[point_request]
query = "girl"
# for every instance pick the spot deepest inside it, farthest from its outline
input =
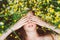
(30, 28)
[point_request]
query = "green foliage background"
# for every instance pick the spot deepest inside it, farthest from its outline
(12, 10)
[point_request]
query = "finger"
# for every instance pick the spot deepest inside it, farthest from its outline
(24, 21)
(32, 17)
(30, 14)
(23, 17)
(35, 20)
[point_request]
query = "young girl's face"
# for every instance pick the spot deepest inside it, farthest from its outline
(30, 26)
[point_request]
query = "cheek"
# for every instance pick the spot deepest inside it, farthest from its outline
(26, 27)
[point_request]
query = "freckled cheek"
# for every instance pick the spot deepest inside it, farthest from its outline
(26, 27)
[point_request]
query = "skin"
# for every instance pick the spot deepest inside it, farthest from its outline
(30, 29)
(27, 21)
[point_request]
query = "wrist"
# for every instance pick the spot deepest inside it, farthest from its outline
(4, 35)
